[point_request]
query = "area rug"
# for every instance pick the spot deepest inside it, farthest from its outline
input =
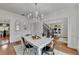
(19, 50)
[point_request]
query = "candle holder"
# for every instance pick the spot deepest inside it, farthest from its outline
(36, 37)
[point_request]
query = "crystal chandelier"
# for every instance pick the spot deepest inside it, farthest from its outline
(36, 16)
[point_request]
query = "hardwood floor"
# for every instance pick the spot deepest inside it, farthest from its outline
(63, 47)
(8, 49)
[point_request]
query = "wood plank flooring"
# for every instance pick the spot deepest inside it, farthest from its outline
(63, 47)
(8, 49)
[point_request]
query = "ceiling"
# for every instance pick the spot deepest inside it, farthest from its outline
(25, 8)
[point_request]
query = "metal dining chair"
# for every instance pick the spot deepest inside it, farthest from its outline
(48, 50)
(26, 44)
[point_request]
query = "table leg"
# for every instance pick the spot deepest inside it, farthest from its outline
(39, 51)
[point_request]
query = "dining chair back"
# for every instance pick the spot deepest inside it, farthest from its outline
(26, 44)
(49, 48)
(23, 40)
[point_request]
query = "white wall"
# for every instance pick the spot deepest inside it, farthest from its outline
(78, 26)
(70, 13)
(11, 18)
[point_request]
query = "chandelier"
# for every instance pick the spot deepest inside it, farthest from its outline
(36, 15)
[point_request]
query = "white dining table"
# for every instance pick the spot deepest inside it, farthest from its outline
(39, 43)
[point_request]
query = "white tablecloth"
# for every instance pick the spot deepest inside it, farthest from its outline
(39, 43)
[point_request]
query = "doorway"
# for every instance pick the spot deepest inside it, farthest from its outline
(4, 33)
(58, 28)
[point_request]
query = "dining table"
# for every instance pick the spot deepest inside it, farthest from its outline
(38, 43)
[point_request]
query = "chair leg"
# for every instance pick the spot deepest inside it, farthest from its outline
(28, 51)
(34, 51)
(24, 51)
(53, 53)
(42, 52)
